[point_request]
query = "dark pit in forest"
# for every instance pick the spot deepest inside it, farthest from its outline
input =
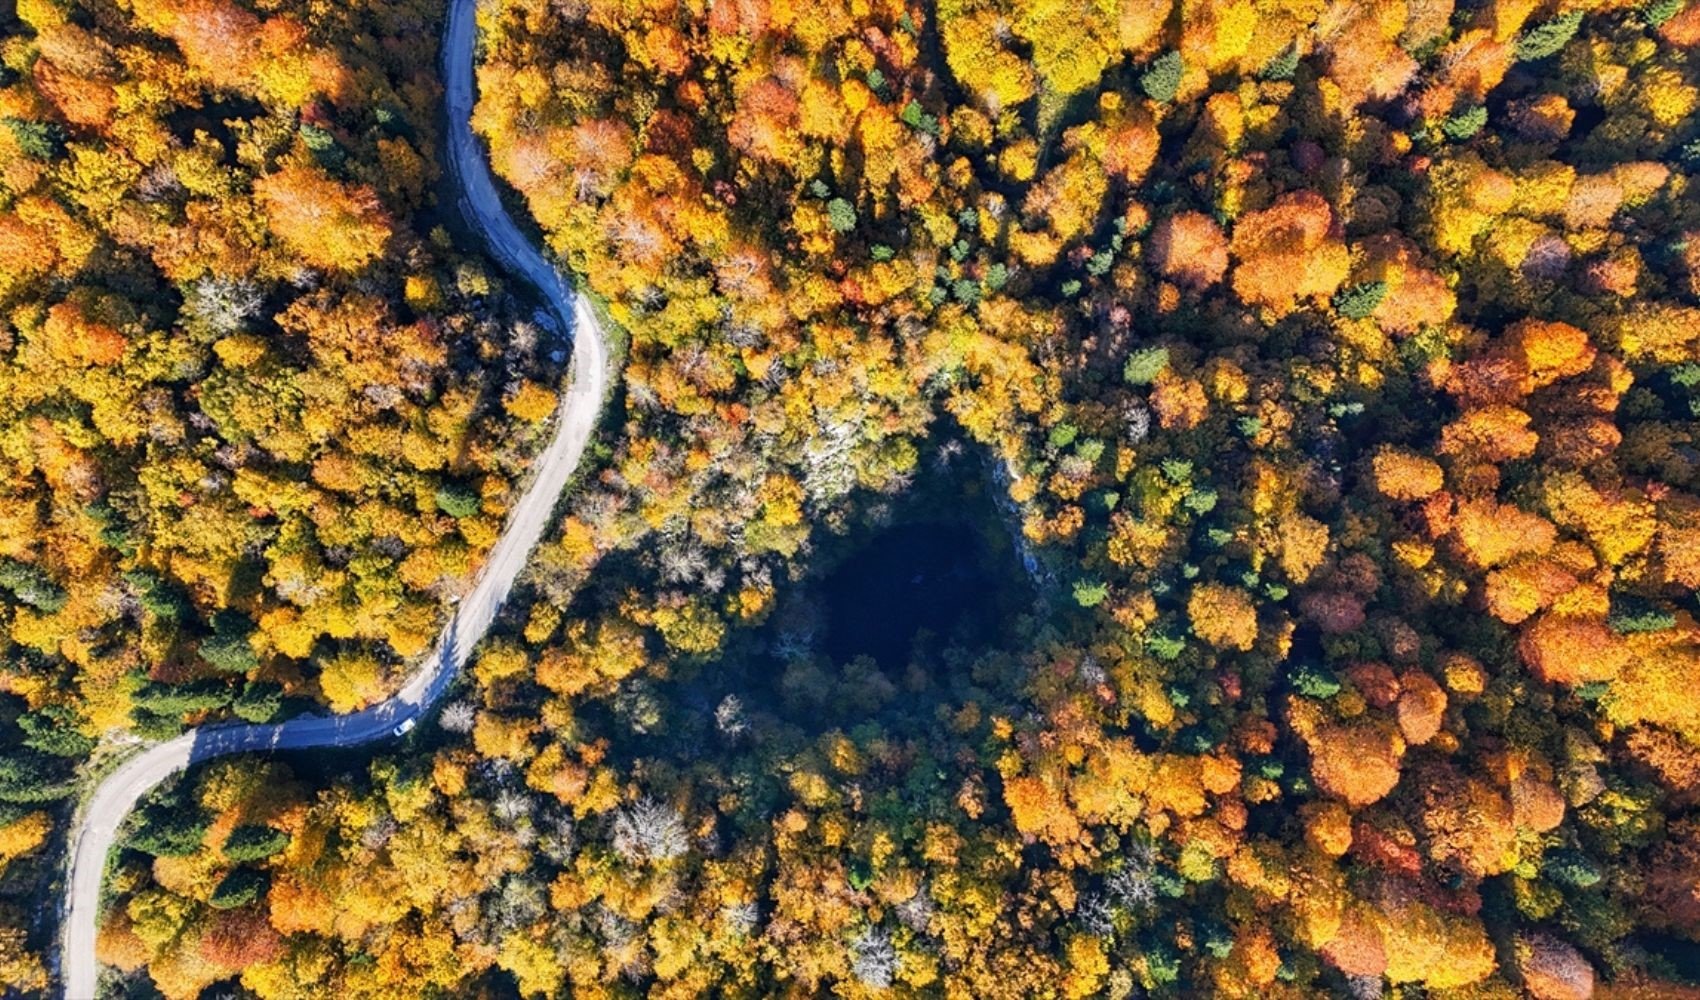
(932, 581)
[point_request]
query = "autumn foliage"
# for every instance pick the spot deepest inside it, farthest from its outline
(1326, 374)
(1288, 252)
(329, 225)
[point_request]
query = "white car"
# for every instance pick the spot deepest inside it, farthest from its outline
(405, 727)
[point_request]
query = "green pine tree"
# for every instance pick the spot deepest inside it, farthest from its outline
(1546, 38)
(1162, 78)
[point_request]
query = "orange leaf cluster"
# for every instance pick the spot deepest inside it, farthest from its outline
(1288, 252)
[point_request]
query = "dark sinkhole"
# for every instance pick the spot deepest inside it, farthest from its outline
(901, 608)
(922, 580)
(911, 602)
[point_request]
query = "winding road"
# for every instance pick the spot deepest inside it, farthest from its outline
(98, 822)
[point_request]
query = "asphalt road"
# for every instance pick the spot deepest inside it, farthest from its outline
(98, 821)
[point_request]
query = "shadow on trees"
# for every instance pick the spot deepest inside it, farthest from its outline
(915, 607)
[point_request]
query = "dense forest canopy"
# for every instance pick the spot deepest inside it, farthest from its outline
(259, 418)
(1332, 371)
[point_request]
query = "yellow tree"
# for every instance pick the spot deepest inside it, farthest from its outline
(329, 224)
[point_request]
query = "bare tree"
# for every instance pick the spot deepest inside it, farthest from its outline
(916, 912)
(1093, 915)
(513, 807)
(222, 305)
(648, 830)
(458, 717)
(557, 837)
(729, 716)
(1138, 418)
(741, 918)
(873, 958)
(1134, 886)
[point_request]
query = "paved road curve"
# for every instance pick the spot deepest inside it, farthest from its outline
(99, 821)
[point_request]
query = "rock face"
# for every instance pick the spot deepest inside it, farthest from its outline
(1552, 969)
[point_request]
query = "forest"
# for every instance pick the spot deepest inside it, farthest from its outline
(1314, 383)
(259, 417)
